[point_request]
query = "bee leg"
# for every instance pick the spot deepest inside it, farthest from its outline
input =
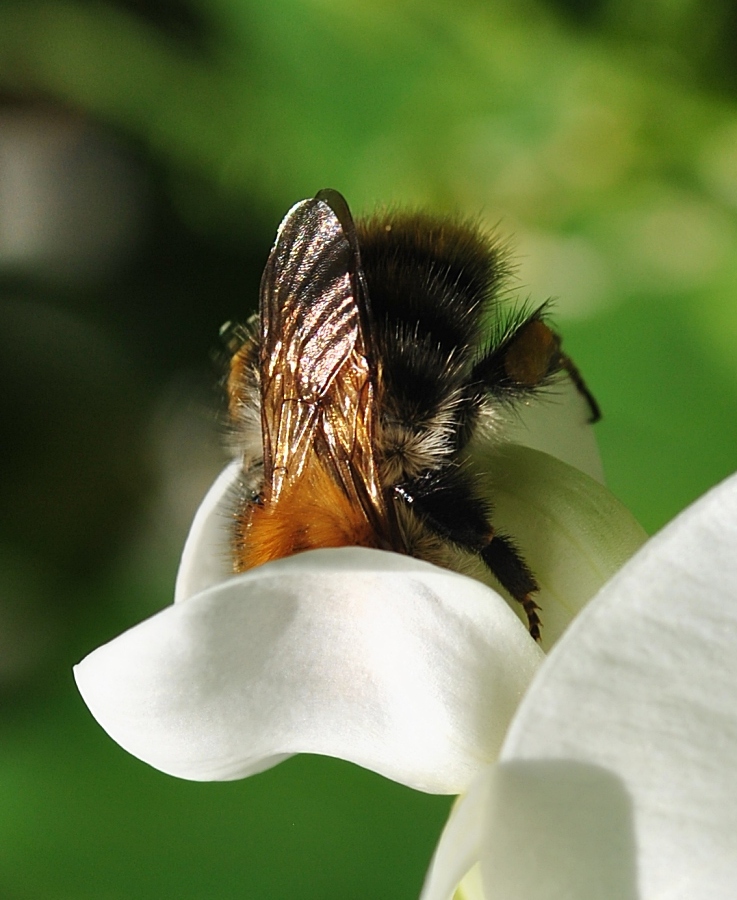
(446, 504)
(513, 573)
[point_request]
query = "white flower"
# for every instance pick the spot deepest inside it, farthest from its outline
(392, 663)
(618, 777)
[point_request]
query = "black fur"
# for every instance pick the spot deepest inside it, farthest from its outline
(433, 288)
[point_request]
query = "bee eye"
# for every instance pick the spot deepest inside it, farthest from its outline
(532, 354)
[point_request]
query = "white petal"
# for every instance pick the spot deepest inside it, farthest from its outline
(380, 659)
(573, 532)
(462, 840)
(206, 554)
(557, 829)
(549, 829)
(643, 685)
(557, 422)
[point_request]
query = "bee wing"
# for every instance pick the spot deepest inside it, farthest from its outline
(317, 391)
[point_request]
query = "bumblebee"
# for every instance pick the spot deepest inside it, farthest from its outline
(355, 393)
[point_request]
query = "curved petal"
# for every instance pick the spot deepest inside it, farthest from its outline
(574, 533)
(557, 828)
(642, 686)
(206, 555)
(401, 667)
(542, 830)
(462, 841)
(557, 422)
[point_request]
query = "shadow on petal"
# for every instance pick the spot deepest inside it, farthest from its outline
(558, 828)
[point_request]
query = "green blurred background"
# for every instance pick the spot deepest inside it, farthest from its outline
(148, 150)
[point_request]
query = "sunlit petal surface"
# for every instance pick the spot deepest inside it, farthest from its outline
(404, 668)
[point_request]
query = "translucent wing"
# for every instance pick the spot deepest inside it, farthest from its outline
(317, 383)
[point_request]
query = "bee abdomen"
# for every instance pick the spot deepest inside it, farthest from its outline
(312, 512)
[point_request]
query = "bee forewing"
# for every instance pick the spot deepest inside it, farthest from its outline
(316, 377)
